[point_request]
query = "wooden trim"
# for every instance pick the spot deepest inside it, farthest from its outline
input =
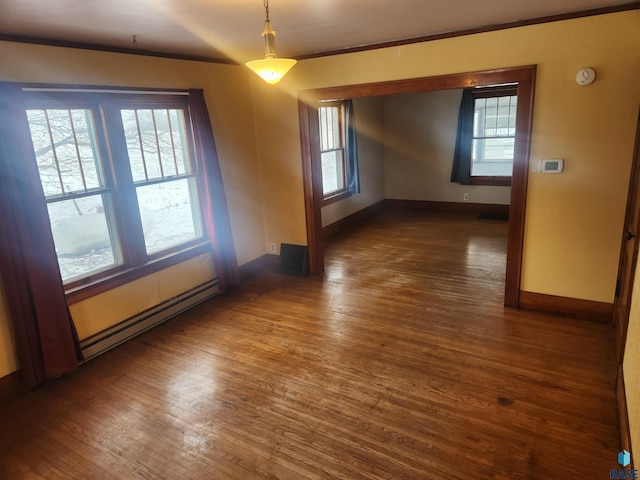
(490, 181)
(485, 93)
(104, 284)
(622, 306)
(524, 76)
(568, 307)
(423, 84)
(52, 42)
(448, 206)
(336, 197)
(273, 261)
(312, 182)
(623, 414)
(473, 31)
(519, 182)
(492, 92)
(11, 386)
(249, 269)
(135, 262)
(265, 262)
(346, 223)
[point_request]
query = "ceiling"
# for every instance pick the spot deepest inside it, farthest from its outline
(230, 29)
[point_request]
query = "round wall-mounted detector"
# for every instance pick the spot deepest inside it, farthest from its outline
(586, 76)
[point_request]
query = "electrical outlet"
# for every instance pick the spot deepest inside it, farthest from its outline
(466, 197)
(272, 247)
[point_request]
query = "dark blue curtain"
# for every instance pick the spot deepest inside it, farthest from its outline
(461, 171)
(46, 341)
(351, 149)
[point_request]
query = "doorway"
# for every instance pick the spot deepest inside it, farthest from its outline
(524, 77)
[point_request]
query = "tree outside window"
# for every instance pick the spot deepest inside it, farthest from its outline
(119, 178)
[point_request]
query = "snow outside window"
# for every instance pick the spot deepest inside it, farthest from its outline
(119, 178)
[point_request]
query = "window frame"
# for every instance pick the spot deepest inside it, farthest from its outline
(490, 92)
(343, 192)
(118, 181)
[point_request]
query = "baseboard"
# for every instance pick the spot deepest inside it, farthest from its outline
(623, 414)
(568, 307)
(11, 386)
(273, 261)
(468, 207)
(265, 262)
(123, 331)
(349, 221)
(254, 266)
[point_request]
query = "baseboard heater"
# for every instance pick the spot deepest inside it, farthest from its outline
(123, 331)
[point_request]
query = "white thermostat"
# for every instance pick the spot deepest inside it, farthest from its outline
(552, 165)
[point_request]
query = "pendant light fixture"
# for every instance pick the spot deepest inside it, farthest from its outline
(271, 68)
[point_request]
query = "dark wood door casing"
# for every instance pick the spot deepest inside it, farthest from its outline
(628, 253)
(523, 76)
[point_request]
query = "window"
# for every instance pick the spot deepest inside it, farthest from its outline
(163, 176)
(494, 133)
(486, 136)
(332, 149)
(119, 177)
(338, 150)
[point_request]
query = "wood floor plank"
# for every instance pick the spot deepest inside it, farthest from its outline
(399, 363)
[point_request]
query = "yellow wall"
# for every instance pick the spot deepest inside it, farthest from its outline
(98, 313)
(231, 113)
(278, 141)
(229, 105)
(574, 220)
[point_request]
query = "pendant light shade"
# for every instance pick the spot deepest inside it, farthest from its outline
(270, 68)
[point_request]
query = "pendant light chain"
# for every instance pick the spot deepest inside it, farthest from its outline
(266, 8)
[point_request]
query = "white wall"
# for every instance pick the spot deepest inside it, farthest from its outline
(369, 125)
(419, 140)
(406, 144)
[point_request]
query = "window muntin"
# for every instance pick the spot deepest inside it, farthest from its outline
(156, 143)
(78, 201)
(494, 130)
(332, 148)
(119, 177)
(66, 152)
(163, 176)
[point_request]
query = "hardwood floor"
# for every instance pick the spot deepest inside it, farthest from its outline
(399, 363)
